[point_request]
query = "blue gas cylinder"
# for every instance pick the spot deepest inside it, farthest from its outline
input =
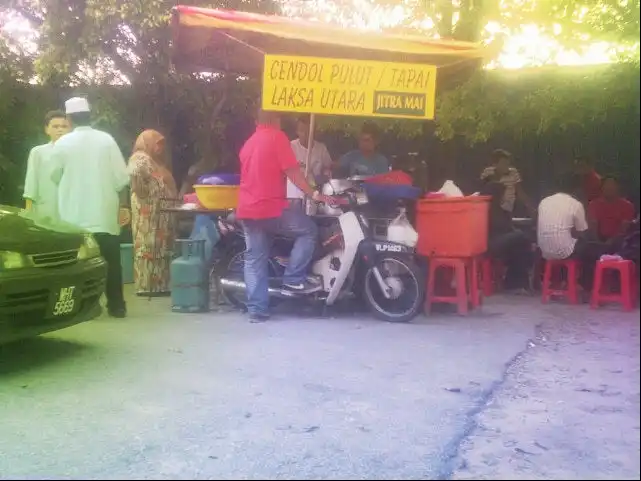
(190, 277)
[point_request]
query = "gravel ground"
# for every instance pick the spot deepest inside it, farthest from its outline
(209, 396)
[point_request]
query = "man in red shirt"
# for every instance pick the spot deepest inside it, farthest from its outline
(266, 161)
(591, 179)
(610, 214)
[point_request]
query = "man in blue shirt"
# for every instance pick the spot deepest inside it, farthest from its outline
(365, 160)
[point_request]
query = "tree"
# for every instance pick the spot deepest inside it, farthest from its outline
(573, 21)
(97, 42)
(134, 37)
(488, 103)
(485, 104)
(457, 19)
(119, 40)
(614, 21)
(536, 101)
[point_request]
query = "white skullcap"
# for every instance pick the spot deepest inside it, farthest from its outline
(76, 105)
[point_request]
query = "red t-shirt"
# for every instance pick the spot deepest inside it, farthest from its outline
(264, 158)
(611, 215)
(592, 185)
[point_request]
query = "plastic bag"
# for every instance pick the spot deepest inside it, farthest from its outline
(190, 199)
(219, 179)
(450, 189)
(400, 230)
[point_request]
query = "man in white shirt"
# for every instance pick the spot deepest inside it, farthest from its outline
(40, 193)
(320, 161)
(563, 229)
(90, 172)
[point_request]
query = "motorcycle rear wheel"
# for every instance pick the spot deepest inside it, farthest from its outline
(408, 285)
(231, 266)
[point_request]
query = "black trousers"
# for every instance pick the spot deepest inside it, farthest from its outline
(110, 250)
(588, 253)
(515, 250)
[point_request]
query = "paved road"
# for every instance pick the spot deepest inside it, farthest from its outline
(163, 395)
(569, 408)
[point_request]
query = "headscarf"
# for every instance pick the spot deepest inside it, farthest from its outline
(147, 141)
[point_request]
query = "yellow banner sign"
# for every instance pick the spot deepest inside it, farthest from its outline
(348, 87)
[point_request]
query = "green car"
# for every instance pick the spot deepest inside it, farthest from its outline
(51, 275)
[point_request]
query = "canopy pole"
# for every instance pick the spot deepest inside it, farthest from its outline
(310, 207)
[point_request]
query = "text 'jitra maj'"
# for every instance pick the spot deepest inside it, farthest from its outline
(341, 86)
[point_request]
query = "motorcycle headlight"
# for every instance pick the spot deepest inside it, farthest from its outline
(361, 198)
(12, 260)
(89, 248)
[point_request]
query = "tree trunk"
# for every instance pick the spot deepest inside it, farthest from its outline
(473, 16)
(212, 144)
(445, 25)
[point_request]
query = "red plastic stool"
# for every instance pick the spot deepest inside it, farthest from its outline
(553, 267)
(627, 293)
(466, 273)
(492, 272)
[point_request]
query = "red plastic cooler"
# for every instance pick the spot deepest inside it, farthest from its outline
(452, 227)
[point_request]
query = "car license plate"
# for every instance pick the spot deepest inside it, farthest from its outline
(64, 302)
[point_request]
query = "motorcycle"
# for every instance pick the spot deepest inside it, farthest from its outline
(348, 262)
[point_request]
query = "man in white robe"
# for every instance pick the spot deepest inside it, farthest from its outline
(91, 174)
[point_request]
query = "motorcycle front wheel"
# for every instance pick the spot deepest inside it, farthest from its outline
(406, 283)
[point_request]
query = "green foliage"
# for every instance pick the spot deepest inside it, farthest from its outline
(571, 21)
(83, 42)
(524, 102)
(106, 35)
(615, 21)
(519, 103)
(15, 66)
(21, 128)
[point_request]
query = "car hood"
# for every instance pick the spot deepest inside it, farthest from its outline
(21, 231)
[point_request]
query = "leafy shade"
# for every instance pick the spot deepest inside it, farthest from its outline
(133, 38)
(613, 21)
(523, 102)
(94, 41)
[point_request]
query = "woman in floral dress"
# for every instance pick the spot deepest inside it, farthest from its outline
(153, 231)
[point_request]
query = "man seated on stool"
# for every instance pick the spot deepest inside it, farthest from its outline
(563, 229)
(610, 214)
(506, 243)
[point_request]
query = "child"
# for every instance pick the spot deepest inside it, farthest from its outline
(40, 193)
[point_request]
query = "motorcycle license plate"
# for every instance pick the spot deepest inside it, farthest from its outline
(65, 302)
